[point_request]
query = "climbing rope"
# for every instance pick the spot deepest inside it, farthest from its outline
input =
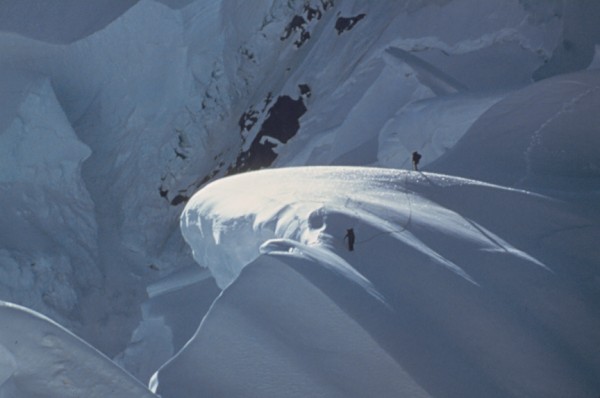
(402, 228)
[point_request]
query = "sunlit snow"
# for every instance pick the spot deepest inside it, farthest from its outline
(424, 243)
(133, 213)
(39, 358)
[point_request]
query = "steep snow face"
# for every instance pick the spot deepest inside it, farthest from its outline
(39, 358)
(453, 286)
(226, 232)
(549, 142)
(59, 22)
(341, 359)
(38, 143)
(433, 126)
(48, 239)
(579, 37)
(124, 102)
(369, 82)
(162, 96)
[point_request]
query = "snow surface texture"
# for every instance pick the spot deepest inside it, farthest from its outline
(455, 288)
(114, 113)
(39, 358)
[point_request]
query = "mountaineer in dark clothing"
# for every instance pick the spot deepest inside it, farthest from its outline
(350, 237)
(416, 156)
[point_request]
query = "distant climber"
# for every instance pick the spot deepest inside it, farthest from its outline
(350, 237)
(416, 156)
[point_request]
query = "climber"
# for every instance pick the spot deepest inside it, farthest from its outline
(350, 237)
(416, 156)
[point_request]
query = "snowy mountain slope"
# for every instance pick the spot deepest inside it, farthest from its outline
(294, 335)
(478, 300)
(171, 315)
(431, 126)
(552, 134)
(39, 358)
(98, 84)
(59, 22)
(48, 235)
(111, 120)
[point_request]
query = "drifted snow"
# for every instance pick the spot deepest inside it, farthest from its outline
(550, 141)
(48, 230)
(228, 221)
(39, 358)
(113, 114)
(302, 340)
(45, 21)
(450, 278)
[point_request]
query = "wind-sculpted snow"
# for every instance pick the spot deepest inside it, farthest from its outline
(114, 113)
(76, 129)
(441, 121)
(39, 358)
(556, 146)
(228, 221)
(47, 236)
(275, 333)
(60, 22)
(461, 283)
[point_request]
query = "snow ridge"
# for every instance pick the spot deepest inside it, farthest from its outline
(112, 120)
(429, 264)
